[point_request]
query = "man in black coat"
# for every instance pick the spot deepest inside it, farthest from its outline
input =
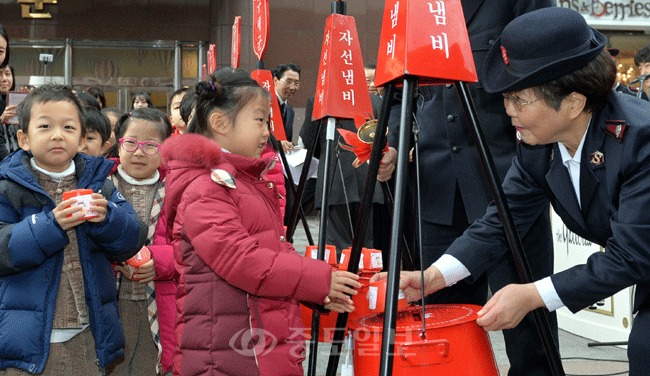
(613, 52)
(286, 78)
(347, 181)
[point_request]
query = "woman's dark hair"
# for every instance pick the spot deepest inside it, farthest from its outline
(88, 100)
(595, 81)
(152, 115)
(144, 95)
(49, 93)
(98, 94)
(228, 91)
(187, 105)
(3, 33)
(182, 90)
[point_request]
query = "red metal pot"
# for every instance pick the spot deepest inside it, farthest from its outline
(454, 344)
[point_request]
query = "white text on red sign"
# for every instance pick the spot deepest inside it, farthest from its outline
(393, 15)
(349, 96)
(439, 12)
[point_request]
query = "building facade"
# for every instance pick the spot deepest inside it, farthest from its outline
(126, 46)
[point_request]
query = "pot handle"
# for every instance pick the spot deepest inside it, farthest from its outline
(425, 352)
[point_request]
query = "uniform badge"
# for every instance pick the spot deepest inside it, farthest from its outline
(597, 158)
(615, 128)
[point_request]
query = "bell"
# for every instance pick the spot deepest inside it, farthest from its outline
(366, 132)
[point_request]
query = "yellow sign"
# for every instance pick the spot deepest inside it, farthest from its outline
(27, 6)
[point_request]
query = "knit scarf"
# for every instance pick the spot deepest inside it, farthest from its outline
(152, 307)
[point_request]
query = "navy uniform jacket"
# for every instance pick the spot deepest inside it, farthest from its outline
(347, 182)
(615, 198)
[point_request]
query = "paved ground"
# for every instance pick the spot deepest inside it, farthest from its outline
(577, 357)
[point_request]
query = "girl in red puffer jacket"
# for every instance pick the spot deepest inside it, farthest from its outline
(239, 280)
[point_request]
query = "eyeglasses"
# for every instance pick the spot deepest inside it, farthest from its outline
(291, 82)
(131, 145)
(517, 102)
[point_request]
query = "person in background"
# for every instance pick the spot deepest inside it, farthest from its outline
(459, 193)
(5, 52)
(141, 99)
(149, 331)
(286, 78)
(8, 132)
(642, 62)
(88, 100)
(584, 149)
(186, 110)
(381, 212)
(613, 52)
(370, 69)
(97, 93)
(98, 131)
(347, 181)
(238, 276)
(58, 307)
(178, 125)
(113, 114)
(6, 84)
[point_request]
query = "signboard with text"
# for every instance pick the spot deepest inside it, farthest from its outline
(427, 39)
(265, 79)
(341, 89)
(260, 27)
(612, 14)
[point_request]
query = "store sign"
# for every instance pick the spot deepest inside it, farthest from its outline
(632, 13)
(35, 8)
